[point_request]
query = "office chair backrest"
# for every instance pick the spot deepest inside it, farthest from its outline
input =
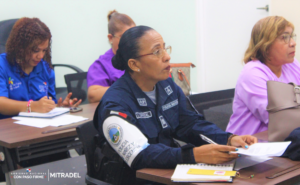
(76, 83)
(216, 106)
(86, 133)
(5, 28)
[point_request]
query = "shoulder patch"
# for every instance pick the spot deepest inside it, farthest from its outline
(168, 90)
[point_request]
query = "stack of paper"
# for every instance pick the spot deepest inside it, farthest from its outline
(55, 112)
(64, 119)
(265, 149)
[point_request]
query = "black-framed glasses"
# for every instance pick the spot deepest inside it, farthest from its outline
(159, 52)
(287, 37)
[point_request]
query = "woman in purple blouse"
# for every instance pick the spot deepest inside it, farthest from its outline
(101, 74)
(270, 56)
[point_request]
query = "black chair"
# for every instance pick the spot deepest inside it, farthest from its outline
(63, 91)
(216, 106)
(5, 28)
(76, 83)
(86, 133)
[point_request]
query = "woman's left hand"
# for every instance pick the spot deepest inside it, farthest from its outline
(68, 102)
(243, 141)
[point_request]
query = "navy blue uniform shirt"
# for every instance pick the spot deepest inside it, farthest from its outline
(160, 123)
(39, 83)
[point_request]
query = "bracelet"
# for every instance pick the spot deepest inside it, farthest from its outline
(29, 105)
(229, 139)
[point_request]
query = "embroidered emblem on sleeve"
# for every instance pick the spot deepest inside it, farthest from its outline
(163, 122)
(126, 139)
(142, 101)
(168, 90)
(141, 115)
(170, 105)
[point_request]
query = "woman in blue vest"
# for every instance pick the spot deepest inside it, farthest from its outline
(143, 111)
(27, 80)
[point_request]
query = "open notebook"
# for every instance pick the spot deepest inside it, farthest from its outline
(181, 175)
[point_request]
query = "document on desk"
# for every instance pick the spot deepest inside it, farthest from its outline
(61, 120)
(245, 161)
(265, 149)
(55, 112)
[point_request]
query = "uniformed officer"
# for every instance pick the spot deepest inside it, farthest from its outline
(27, 80)
(144, 110)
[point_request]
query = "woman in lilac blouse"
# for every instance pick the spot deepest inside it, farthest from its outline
(101, 74)
(270, 56)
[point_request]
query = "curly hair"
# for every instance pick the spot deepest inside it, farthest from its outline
(24, 38)
(263, 35)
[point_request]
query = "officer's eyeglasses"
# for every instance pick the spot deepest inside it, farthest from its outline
(287, 37)
(159, 52)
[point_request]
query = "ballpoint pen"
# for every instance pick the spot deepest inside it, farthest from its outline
(207, 139)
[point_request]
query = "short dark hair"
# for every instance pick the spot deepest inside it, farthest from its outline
(25, 36)
(129, 47)
(116, 20)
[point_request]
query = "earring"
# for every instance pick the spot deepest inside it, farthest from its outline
(138, 70)
(110, 42)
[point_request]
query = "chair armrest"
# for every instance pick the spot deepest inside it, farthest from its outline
(77, 69)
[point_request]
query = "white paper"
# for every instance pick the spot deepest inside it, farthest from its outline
(61, 120)
(246, 161)
(265, 149)
(55, 112)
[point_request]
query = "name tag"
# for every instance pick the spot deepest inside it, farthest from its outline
(141, 115)
(170, 105)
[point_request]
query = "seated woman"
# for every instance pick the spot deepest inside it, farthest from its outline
(101, 74)
(270, 56)
(26, 75)
(145, 109)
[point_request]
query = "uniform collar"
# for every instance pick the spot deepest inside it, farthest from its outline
(141, 97)
(36, 70)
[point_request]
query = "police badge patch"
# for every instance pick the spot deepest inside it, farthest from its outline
(115, 134)
(142, 101)
(168, 90)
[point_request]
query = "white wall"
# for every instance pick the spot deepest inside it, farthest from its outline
(79, 27)
(224, 29)
(289, 9)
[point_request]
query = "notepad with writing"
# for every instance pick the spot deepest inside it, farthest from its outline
(53, 113)
(182, 172)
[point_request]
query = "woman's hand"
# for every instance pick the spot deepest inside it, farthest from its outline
(243, 141)
(68, 102)
(43, 105)
(214, 154)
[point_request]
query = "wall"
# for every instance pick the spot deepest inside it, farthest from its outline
(79, 27)
(223, 35)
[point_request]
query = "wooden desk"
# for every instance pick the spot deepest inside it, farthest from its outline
(20, 142)
(260, 172)
(14, 135)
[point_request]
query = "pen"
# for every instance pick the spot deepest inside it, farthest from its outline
(207, 139)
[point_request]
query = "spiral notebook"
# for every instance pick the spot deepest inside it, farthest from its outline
(181, 172)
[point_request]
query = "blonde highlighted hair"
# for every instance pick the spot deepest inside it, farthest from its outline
(264, 33)
(117, 20)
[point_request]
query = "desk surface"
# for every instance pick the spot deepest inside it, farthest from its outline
(260, 172)
(14, 135)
